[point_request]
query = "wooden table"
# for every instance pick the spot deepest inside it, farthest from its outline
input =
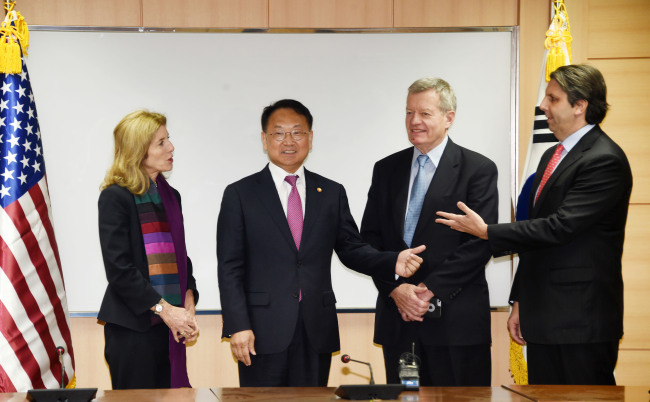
(580, 392)
(426, 394)
(138, 395)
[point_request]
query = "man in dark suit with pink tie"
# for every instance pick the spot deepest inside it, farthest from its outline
(567, 293)
(276, 233)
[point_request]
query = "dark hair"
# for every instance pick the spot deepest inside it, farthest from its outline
(286, 104)
(582, 81)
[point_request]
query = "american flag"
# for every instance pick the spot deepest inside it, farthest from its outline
(33, 306)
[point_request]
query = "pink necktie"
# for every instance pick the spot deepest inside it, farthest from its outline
(550, 168)
(294, 211)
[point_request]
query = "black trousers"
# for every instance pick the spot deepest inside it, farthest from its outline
(441, 366)
(579, 364)
(298, 366)
(137, 360)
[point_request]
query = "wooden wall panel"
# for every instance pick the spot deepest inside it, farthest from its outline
(632, 368)
(105, 13)
(636, 279)
(578, 11)
(531, 55)
(500, 349)
(210, 363)
(455, 13)
(205, 13)
(356, 340)
(330, 14)
(628, 86)
(91, 369)
(619, 28)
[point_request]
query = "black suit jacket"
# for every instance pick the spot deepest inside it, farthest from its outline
(569, 283)
(261, 272)
(129, 294)
(454, 262)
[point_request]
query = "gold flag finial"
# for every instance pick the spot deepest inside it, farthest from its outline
(14, 40)
(558, 39)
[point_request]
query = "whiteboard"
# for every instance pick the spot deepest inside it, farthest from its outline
(213, 86)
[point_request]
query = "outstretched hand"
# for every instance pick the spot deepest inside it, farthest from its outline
(471, 222)
(408, 262)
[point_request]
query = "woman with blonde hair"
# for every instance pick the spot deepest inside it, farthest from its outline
(149, 304)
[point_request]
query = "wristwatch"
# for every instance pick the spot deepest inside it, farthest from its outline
(157, 309)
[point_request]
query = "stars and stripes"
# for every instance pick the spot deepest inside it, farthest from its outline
(33, 306)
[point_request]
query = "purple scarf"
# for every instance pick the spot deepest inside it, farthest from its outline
(177, 357)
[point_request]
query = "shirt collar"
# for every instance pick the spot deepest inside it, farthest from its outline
(279, 174)
(570, 141)
(434, 155)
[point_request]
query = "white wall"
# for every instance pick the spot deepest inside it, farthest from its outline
(213, 87)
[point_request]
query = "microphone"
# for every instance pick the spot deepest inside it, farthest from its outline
(62, 394)
(347, 359)
(60, 350)
(409, 369)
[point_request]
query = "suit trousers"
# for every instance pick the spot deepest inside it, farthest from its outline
(440, 365)
(572, 364)
(137, 360)
(297, 366)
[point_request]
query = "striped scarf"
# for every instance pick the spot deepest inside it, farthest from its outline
(159, 246)
(165, 210)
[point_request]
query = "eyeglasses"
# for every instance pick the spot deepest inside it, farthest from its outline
(295, 134)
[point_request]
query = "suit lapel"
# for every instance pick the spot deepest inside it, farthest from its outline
(444, 178)
(573, 156)
(270, 199)
(314, 200)
(399, 186)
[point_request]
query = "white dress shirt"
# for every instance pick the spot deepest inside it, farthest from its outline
(284, 188)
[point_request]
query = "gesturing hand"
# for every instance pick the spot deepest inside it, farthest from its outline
(408, 262)
(471, 223)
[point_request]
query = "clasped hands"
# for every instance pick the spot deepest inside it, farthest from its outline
(181, 322)
(412, 301)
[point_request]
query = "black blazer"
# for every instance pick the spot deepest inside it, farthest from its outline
(261, 271)
(129, 294)
(569, 283)
(454, 262)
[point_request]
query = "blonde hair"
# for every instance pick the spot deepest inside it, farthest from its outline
(132, 135)
(447, 101)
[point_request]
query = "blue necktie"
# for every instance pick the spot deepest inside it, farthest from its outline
(418, 191)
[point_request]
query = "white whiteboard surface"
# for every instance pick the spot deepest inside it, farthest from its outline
(213, 86)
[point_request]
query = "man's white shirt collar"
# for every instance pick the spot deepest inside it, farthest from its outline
(434, 155)
(570, 141)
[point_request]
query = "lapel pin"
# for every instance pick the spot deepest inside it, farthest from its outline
(320, 190)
